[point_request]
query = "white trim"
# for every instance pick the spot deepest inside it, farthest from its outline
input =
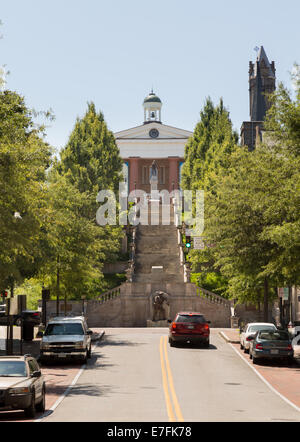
(144, 129)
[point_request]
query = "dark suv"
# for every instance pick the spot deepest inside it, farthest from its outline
(189, 327)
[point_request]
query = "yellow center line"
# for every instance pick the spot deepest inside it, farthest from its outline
(171, 385)
(168, 383)
(170, 411)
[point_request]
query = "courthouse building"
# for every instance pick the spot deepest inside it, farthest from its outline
(152, 140)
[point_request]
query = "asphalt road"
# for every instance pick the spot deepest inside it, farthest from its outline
(134, 376)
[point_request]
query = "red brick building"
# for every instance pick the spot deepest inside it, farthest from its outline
(152, 140)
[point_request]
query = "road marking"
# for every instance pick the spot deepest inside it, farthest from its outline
(66, 392)
(171, 385)
(170, 411)
(265, 381)
(168, 383)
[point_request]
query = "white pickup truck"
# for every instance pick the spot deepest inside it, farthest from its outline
(66, 338)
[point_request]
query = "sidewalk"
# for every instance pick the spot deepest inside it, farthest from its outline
(230, 335)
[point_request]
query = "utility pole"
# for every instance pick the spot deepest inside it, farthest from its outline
(57, 286)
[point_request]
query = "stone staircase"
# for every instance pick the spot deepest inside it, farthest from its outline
(157, 257)
(157, 264)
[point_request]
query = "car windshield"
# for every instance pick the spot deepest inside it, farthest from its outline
(258, 327)
(198, 319)
(64, 329)
(12, 369)
(274, 336)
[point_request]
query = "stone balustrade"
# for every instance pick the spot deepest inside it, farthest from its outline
(212, 297)
(110, 294)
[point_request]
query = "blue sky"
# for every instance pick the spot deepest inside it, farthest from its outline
(62, 54)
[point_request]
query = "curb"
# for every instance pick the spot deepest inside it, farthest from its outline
(230, 341)
(98, 336)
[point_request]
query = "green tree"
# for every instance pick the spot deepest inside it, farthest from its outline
(91, 156)
(283, 119)
(24, 158)
(207, 154)
(73, 247)
(210, 146)
(78, 247)
(249, 207)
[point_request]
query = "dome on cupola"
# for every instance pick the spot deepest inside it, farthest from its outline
(152, 108)
(152, 98)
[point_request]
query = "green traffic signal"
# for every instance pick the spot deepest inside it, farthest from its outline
(188, 242)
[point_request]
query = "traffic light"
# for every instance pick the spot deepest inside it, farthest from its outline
(4, 294)
(188, 242)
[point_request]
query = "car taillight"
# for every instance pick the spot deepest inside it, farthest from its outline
(250, 338)
(289, 347)
(36, 314)
(174, 326)
(259, 347)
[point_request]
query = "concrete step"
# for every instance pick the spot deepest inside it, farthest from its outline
(166, 268)
(160, 248)
(152, 278)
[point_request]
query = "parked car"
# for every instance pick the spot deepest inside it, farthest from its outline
(189, 327)
(269, 344)
(66, 338)
(250, 330)
(30, 317)
(27, 316)
(2, 310)
(22, 386)
(296, 346)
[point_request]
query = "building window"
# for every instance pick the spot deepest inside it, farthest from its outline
(145, 175)
(126, 175)
(162, 175)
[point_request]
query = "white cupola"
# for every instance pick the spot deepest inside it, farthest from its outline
(152, 108)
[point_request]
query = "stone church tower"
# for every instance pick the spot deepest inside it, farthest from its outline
(262, 82)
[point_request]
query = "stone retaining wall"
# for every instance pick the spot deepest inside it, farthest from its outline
(132, 306)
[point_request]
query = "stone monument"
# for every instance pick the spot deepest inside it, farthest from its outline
(160, 310)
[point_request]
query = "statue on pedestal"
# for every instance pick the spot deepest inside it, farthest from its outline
(153, 172)
(160, 306)
(153, 178)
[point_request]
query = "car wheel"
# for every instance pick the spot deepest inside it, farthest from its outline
(41, 405)
(206, 344)
(254, 360)
(18, 322)
(250, 355)
(31, 410)
(172, 343)
(241, 346)
(89, 353)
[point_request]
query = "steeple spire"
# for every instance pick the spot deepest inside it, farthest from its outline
(262, 82)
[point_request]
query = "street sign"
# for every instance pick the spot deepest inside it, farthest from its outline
(284, 292)
(12, 307)
(199, 243)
